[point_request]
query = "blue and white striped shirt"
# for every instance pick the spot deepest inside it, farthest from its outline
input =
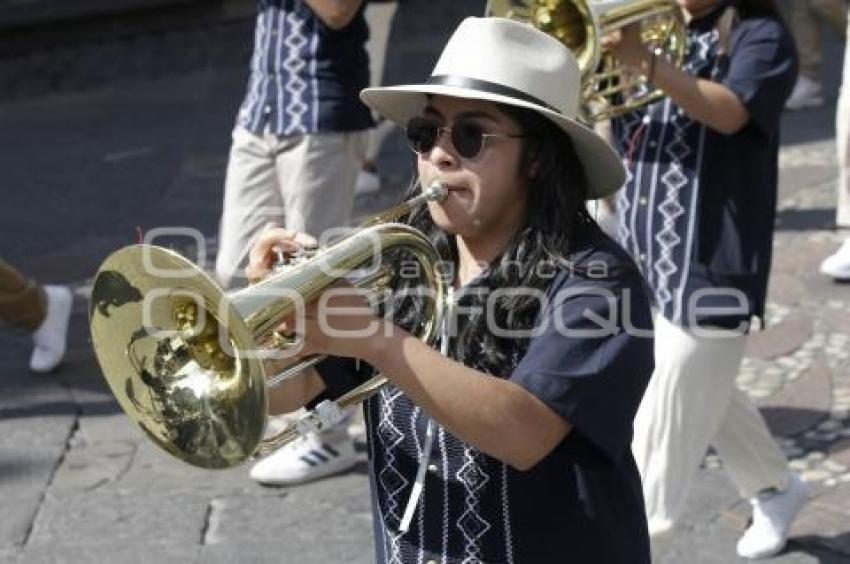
(305, 77)
(698, 206)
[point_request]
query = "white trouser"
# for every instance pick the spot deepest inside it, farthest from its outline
(842, 140)
(805, 18)
(692, 402)
(379, 16)
(305, 182)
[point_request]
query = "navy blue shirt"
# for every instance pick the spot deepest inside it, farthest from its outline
(583, 502)
(305, 77)
(698, 207)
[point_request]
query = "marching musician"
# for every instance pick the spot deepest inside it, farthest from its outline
(697, 215)
(511, 444)
(298, 144)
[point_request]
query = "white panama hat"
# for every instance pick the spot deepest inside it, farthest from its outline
(508, 62)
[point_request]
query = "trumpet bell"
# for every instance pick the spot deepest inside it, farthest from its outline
(190, 387)
(186, 361)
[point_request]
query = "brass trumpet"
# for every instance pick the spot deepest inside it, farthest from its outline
(185, 360)
(608, 89)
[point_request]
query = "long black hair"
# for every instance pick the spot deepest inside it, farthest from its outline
(556, 218)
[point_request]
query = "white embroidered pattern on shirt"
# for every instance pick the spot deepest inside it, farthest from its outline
(391, 481)
(295, 86)
(662, 251)
(676, 203)
(630, 122)
(472, 524)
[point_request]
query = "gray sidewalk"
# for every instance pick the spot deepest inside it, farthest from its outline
(88, 161)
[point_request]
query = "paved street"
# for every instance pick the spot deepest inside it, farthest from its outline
(103, 139)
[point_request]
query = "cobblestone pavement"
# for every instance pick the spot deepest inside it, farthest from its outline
(144, 143)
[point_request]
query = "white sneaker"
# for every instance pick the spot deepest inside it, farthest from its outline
(837, 264)
(806, 94)
(773, 515)
(306, 459)
(367, 182)
(50, 338)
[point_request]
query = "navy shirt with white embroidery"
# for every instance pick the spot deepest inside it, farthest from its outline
(305, 77)
(583, 502)
(698, 207)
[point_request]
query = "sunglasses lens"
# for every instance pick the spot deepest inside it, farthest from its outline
(467, 137)
(421, 134)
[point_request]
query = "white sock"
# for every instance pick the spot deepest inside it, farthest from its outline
(49, 339)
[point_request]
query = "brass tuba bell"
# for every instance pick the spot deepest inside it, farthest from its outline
(608, 88)
(186, 361)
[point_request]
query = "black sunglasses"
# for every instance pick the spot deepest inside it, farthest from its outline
(467, 136)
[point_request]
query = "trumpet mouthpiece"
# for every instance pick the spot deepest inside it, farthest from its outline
(436, 191)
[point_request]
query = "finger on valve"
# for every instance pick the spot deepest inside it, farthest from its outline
(264, 250)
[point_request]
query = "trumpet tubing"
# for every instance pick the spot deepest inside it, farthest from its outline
(608, 89)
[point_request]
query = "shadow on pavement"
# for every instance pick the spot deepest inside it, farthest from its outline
(812, 219)
(820, 547)
(14, 469)
(783, 419)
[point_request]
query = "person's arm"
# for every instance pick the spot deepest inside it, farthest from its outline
(496, 416)
(705, 101)
(336, 14)
(294, 393)
(499, 417)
